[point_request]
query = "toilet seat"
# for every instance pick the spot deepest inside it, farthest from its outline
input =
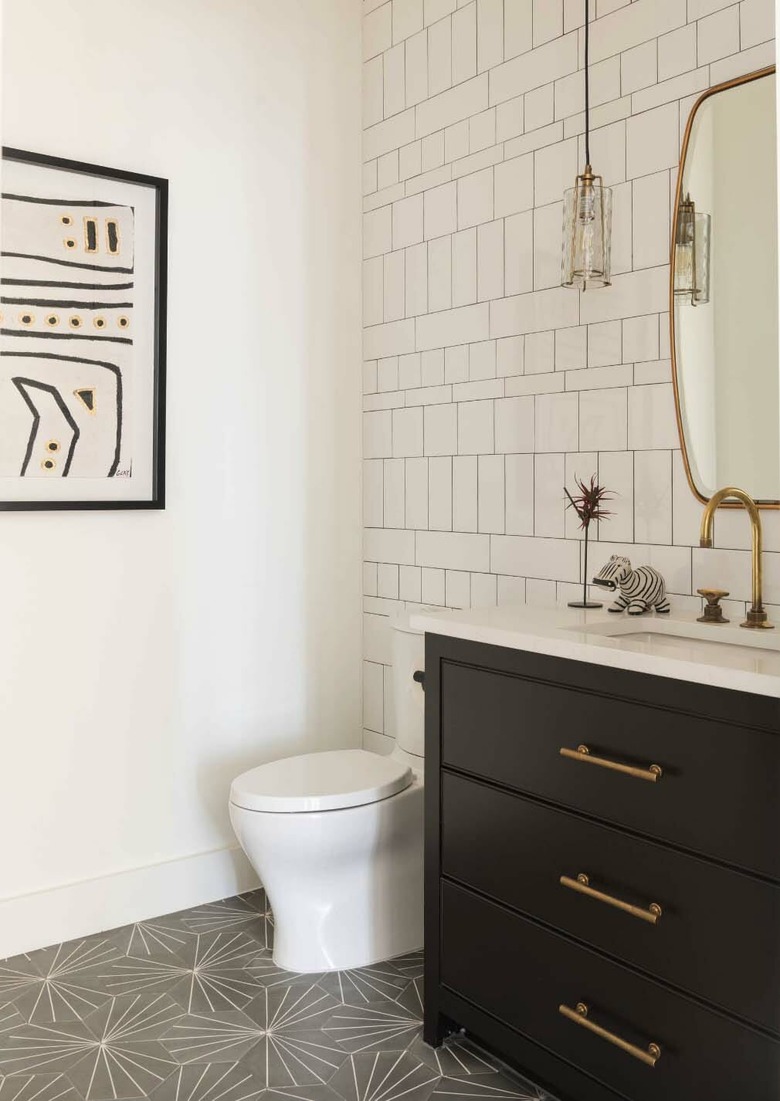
(332, 780)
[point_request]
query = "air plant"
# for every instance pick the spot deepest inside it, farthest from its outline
(589, 506)
(589, 502)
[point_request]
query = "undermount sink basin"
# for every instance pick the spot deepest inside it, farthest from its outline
(712, 644)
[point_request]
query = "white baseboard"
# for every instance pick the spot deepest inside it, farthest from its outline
(90, 906)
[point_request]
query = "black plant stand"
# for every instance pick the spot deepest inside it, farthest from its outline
(585, 603)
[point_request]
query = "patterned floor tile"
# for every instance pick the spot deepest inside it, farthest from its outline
(35, 1049)
(365, 985)
(192, 1007)
(113, 1053)
(121, 1070)
(208, 975)
(267, 973)
(493, 1087)
(38, 1087)
(457, 1057)
(10, 1018)
(371, 1028)
(249, 912)
(208, 1082)
(301, 1093)
(411, 998)
(384, 1076)
(411, 965)
(288, 1059)
(159, 940)
(295, 1008)
(17, 974)
(212, 1038)
(58, 983)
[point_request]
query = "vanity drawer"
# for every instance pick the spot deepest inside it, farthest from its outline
(718, 934)
(511, 729)
(521, 973)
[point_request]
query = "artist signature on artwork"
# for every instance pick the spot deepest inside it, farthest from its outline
(125, 472)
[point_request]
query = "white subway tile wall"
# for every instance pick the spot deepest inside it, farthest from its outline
(486, 386)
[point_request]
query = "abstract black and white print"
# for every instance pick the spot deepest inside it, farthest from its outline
(79, 334)
(190, 1007)
(66, 360)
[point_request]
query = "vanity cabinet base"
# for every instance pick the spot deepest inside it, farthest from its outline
(593, 1002)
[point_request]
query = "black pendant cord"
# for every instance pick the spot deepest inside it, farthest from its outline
(587, 82)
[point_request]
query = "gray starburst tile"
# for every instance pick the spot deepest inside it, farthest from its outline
(35, 1049)
(10, 1018)
(493, 1087)
(209, 976)
(160, 940)
(297, 1008)
(191, 1007)
(129, 975)
(458, 1057)
(62, 987)
(290, 1059)
(122, 1058)
(121, 1070)
(209, 1082)
(365, 985)
(410, 965)
(134, 1017)
(278, 1038)
(251, 913)
(267, 973)
(17, 974)
(370, 1028)
(301, 1093)
(384, 1076)
(38, 1087)
(217, 1038)
(411, 998)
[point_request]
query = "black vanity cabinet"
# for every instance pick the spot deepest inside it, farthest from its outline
(603, 875)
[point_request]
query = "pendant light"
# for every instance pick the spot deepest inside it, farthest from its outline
(692, 254)
(587, 213)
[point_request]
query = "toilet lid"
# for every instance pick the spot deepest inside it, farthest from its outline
(332, 780)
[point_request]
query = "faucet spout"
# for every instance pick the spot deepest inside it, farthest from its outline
(757, 616)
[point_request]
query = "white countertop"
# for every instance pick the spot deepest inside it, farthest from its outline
(723, 655)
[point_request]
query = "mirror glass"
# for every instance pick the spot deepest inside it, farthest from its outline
(724, 278)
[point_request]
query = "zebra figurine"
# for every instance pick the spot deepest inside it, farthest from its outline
(639, 589)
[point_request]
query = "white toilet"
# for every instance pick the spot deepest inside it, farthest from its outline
(337, 838)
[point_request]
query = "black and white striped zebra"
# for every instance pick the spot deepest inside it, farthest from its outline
(638, 590)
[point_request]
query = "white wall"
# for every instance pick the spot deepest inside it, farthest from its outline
(146, 658)
(487, 386)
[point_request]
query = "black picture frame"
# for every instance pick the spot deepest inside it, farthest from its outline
(159, 186)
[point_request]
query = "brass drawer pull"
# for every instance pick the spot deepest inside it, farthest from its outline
(580, 1017)
(653, 773)
(582, 885)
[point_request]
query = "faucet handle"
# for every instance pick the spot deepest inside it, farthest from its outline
(713, 613)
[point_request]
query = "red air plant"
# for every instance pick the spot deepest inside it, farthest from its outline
(589, 502)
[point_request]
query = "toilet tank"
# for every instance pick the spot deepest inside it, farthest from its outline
(408, 653)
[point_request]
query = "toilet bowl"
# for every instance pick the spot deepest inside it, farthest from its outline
(336, 838)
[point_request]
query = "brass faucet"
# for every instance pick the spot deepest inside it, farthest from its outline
(756, 617)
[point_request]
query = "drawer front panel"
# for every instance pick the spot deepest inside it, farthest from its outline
(517, 851)
(510, 729)
(522, 974)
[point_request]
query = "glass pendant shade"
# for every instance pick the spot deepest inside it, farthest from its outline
(692, 254)
(587, 233)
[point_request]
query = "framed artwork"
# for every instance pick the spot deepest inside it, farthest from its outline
(82, 335)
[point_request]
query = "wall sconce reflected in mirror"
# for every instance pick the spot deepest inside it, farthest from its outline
(692, 254)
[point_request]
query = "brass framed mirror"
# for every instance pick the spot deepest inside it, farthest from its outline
(723, 293)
